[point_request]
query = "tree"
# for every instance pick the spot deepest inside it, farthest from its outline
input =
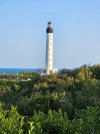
(84, 73)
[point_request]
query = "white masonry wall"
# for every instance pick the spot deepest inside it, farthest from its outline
(49, 51)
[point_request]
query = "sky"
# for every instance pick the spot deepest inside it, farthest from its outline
(76, 25)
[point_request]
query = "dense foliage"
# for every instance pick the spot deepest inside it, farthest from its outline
(68, 102)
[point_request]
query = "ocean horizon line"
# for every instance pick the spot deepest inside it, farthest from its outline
(18, 70)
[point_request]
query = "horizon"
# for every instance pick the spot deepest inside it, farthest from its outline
(23, 26)
(20, 68)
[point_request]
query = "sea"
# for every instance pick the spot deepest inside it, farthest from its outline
(17, 70)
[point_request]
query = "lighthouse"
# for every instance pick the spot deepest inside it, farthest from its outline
(49, 69)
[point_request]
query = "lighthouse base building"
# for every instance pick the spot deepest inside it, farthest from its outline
(49, 71)
(49, 52)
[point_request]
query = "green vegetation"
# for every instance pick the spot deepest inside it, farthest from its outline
(66, 103)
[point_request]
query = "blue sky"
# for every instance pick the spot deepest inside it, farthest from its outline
(76, 26)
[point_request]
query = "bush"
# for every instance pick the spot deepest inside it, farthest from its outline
(10, 121)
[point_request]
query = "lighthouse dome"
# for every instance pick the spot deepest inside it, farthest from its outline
(49, 28)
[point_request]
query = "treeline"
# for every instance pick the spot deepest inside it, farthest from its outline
(21, 76)
(68, 102)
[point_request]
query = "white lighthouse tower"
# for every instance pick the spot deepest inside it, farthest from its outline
(49, 52)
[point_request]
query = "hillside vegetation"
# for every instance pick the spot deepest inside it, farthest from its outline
(64, 103)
